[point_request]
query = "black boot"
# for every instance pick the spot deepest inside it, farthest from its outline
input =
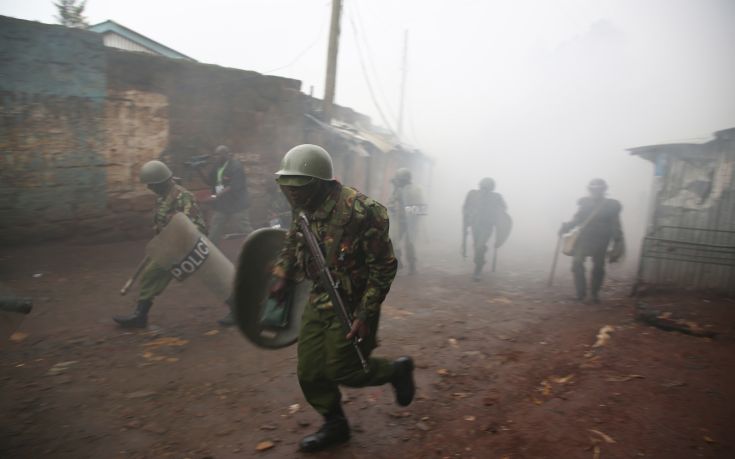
(334, 431)
(403, 382)
(138, 319)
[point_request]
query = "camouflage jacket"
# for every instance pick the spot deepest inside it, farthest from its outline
(178, 199)
(353, 232)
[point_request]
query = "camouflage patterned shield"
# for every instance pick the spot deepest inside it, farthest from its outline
(253, 312)
(502, 227)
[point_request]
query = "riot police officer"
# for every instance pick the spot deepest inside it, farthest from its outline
(352, 230)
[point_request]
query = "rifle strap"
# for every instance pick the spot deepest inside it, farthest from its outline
(592, 215)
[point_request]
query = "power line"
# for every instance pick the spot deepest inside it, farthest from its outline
(303, 52)
(367, 79)
(385, 100)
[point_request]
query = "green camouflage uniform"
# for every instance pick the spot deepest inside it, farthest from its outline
(154, 279)
(353, 232)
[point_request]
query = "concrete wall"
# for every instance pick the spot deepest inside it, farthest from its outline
(78, 119)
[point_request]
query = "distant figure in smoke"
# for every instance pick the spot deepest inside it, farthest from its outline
(230, 195)
(406, 205)
(482, 211)
(598, 223)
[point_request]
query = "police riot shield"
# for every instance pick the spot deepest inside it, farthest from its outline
(185, 252)
(263, 321)
(503, 226)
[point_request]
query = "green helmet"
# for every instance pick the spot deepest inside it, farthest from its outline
(304, 163)
(487, 184)
(403, 176)
(597, 184)
(155, 172)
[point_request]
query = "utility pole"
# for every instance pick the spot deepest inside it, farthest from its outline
(403, 83)
(331, 80)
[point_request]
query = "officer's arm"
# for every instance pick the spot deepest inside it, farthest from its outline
(189, 207)
(579, 217)
(381, 262)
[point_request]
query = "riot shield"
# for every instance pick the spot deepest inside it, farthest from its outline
(503, 226)
(186, 252)
(266, 324)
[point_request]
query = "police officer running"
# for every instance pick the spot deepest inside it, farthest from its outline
(172, 198)
(480, 213)
(352, 230)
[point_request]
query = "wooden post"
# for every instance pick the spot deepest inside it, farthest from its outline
(331, 79)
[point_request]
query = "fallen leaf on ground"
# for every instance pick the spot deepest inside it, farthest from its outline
(545, 388)
(17, 337)
(596, 453)
(211, 333)
(422, 426)
(560, 380)
(442, 372)
(60, 368)
(623, 378)
(708, 439)
(603, 336)
(469, 418)
(607, 438)
(293, 409)
(453, 343)
(166, 341)
(264, 445)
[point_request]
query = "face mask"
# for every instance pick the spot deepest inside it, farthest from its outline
(302, 197)
(159, 188)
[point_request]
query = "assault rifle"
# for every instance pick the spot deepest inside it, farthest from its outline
(328, 283)
(197, 161)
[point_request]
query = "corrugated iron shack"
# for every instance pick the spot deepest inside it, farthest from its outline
(690, 236)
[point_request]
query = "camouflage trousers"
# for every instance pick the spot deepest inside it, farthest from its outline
(153, 281)
(328, 360)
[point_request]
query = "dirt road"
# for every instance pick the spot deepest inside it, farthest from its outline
(507, 368)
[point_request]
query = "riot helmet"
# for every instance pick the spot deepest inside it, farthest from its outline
(402, 176)
(154, 172)
(487, 184)
(303, 163)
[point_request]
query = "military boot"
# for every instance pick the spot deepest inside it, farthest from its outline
(335, 430)
(402, 381)
(139, 317)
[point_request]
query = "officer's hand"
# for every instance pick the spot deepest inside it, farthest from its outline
(278, 289)
(359, 329)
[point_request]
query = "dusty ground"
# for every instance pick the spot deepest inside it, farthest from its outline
(506, 369)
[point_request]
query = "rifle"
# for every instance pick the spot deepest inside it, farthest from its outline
(197, 161)
(329, 284)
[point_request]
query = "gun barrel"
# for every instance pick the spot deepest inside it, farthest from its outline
(329, 285)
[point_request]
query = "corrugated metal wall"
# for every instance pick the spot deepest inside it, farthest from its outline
(691, 241)
(114, 40)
